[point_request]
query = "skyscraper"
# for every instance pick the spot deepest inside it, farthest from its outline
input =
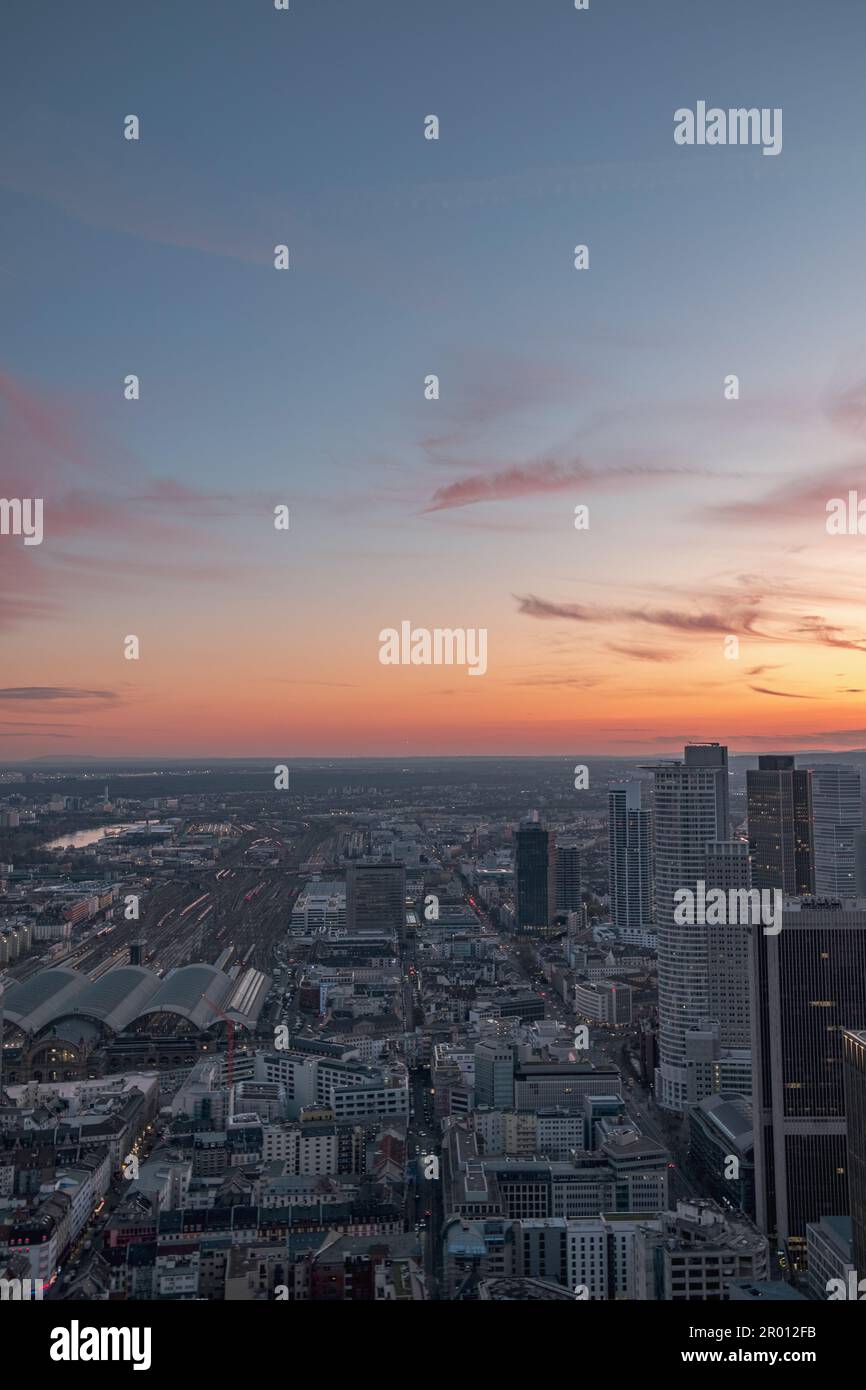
(838, 818)
(376, 898)
(728, 954)
(690, 810)
(535, 869)
(809, 985)
(779, 799)
(629, 856)
(494, 1074)
(854, 1056)
(713, 757)
(568, 876)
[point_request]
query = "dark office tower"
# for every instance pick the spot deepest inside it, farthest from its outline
(629, 857)
(808, 985)
(860, 863)
(713, 757)
(376, 898)
(568, 876)
(854, 1055)
(690, 811)
(535, 869)
(779, 798)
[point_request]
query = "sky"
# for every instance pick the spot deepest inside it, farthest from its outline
(558, 388)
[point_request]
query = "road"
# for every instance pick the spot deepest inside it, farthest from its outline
(424, 1196)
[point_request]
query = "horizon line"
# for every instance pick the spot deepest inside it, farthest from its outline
(108, 759)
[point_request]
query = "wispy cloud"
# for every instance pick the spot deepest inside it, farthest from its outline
(54, 692)
(519, 481)
(20, 733)
(829, 634)
(551, 475)
(53, 450)
(783, 694)
(692, 622)
(736, 612)
(643, 653)
(733, 621)
(39, 724)
(796, 499)
(578, 682)
(543, 608)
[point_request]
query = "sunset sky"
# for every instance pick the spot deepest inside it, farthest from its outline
(602, 387)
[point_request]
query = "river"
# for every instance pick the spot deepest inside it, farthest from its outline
(80, 838)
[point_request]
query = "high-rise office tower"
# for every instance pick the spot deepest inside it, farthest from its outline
(713, 757)
(854, 1057)
(535, 872)
(629, 856)
(690, 810)
(494, 1074)
(728, 949)
(808, 986)
(568, 876)
(860, 863)
(779, 799)
(376, 898)
(838, 817)
(717, 1051)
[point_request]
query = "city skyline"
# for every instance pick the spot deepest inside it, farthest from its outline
(433, 691)
(438, 1046)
